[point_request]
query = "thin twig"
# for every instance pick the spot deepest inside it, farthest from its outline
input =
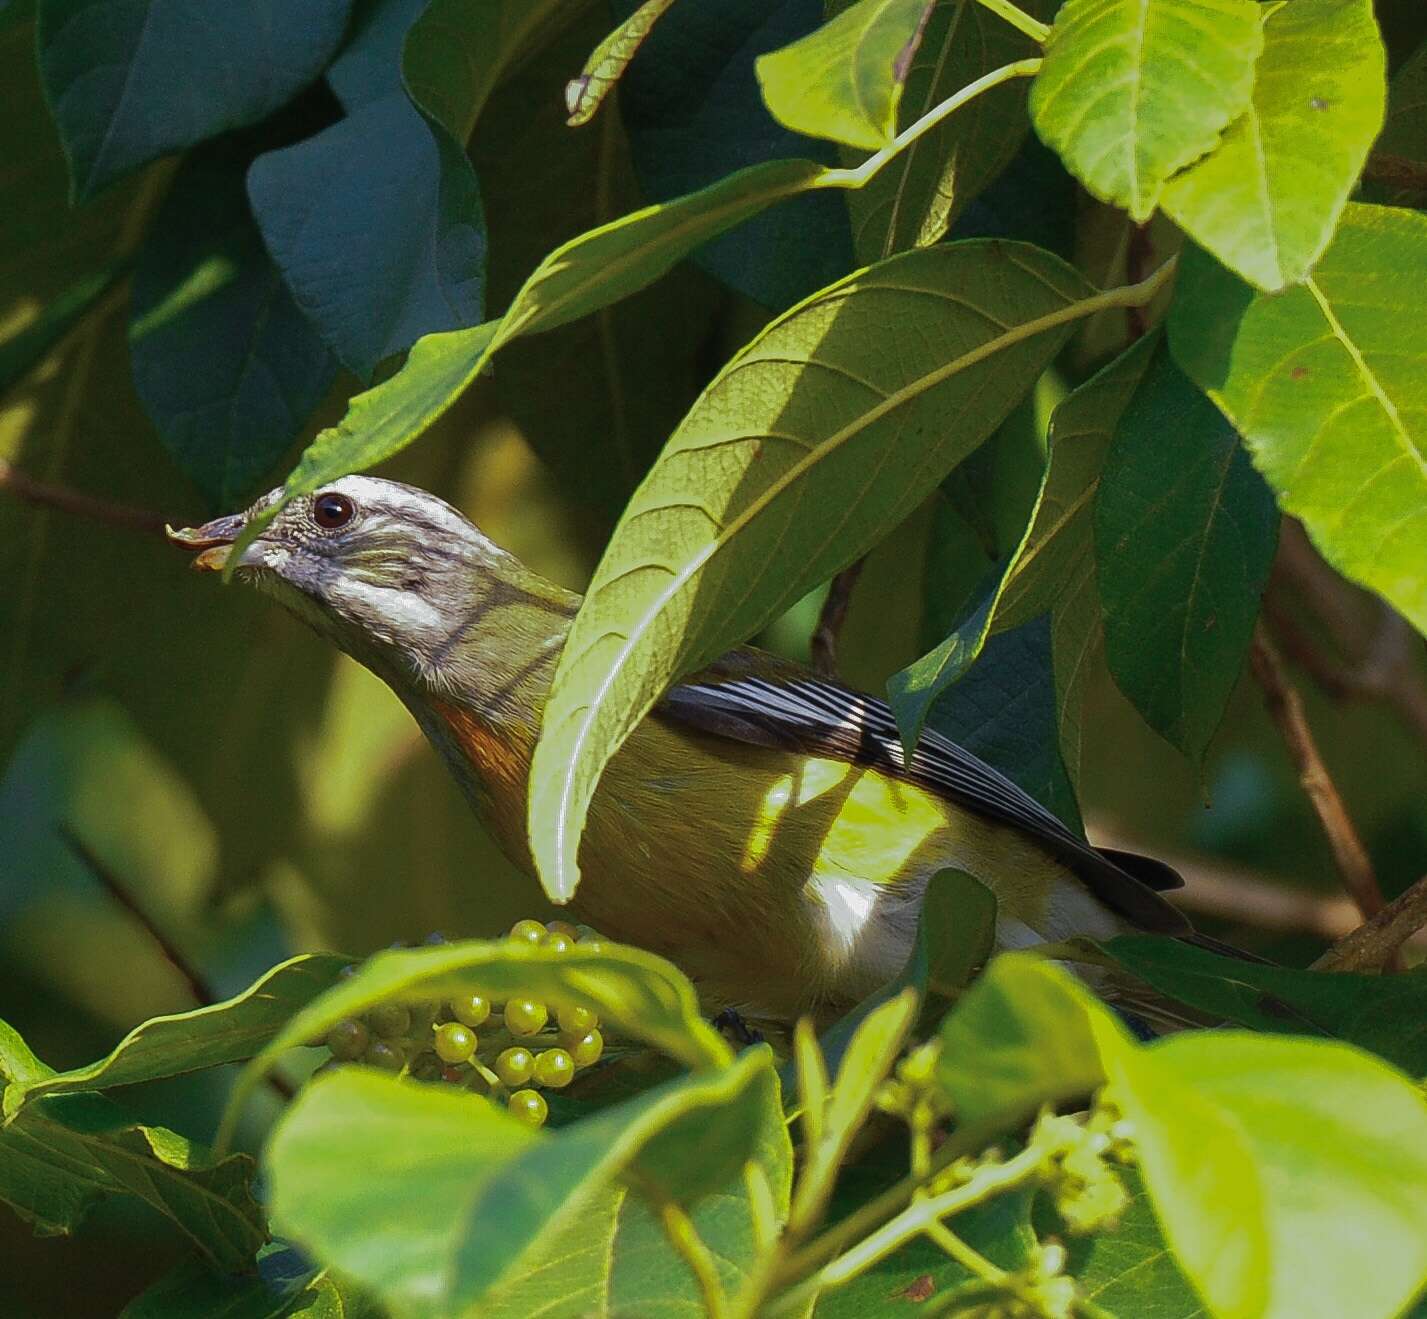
(1286, 707)
(1138, 256)
(832, 617)
(76, 502)
(1375, 945)
(198, 987)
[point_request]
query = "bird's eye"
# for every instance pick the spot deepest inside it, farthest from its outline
(333, 510)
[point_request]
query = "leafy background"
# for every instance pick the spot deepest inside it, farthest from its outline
(181, 313)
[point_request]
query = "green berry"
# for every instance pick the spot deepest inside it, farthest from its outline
(348, 1039)
(563, 927)
(525, 1016)
(527, 931)
(585, 1049)
(559, 943)
(470, 1009)
(576, 1021)
(455, 1043)
(390, 1020)
(529, 1106)
(555, 1068)
(381, 1054)
(515, 1066)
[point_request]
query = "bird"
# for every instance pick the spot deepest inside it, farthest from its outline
(762, 828)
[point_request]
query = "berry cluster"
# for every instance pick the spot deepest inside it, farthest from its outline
(508, 1051)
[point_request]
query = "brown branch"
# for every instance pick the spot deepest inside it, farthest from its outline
(76, 502)
(198, 987)
(831, 619)
(1375, 945)
(1286, 707)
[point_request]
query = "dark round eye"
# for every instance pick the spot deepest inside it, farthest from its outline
(333, 510)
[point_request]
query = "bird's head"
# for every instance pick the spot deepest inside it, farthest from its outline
(392, 574)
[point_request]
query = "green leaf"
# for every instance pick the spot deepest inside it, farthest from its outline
(1055, 550)
(1133, 90)
(1271, 1162)
(1185, 532)
(456, 1189)
(1385, 1014)
(1025, 1034)
(1129, 1270)
(1325, 383)
(691, 105)
(61, 1155)
(913, 201)
(225, 363)
(1266, 200)
(585, 94)
(845, 80)
(376, 221)
(286, 1285)
(638, 994)
(132, 82)
(1405, 131)
(227, 1032)
(456, 53)
(713, 546)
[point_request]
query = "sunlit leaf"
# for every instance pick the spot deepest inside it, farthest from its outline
(227, 1032)
(638, 994)
(1185, 532)
(461, 1189)
(586, 93)
(1265, 201)
(1325, 382)
(845, 80)
(716, 542)
(131, 82)
(1133, 90)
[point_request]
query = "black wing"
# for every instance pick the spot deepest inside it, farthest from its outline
(798, 711)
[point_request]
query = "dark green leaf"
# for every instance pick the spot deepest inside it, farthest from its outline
(128, 83)
(1325, 383)
(958, 331)
(1266, 200)
(690, 102)
(59, 1156)
(1185, 532)
(1132, 91)
(1405, 132)
(227, 1032)
(225, 363)
(844, 81)
(1386, 1014)
(460, 1189)
(376, 224)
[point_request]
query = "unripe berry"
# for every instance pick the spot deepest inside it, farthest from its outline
(390, 1020)
(555, 1068)
(470, 1009)
(515, 1066)
(584, 1050)
(529, 1106)
(525, 1016)
(563, 927)
(527, 931)
(348, 1039)
(576, 1021)
(455, 1043)
(381, 1054)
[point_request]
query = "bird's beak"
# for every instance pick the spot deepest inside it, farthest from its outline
(212, 541)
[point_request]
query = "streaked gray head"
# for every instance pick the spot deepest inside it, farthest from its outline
(386, 570)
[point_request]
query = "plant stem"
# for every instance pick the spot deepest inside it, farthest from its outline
(1018, 19)
(860, 174)
(685, 1239)
(913, 1221)
(831, 619)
